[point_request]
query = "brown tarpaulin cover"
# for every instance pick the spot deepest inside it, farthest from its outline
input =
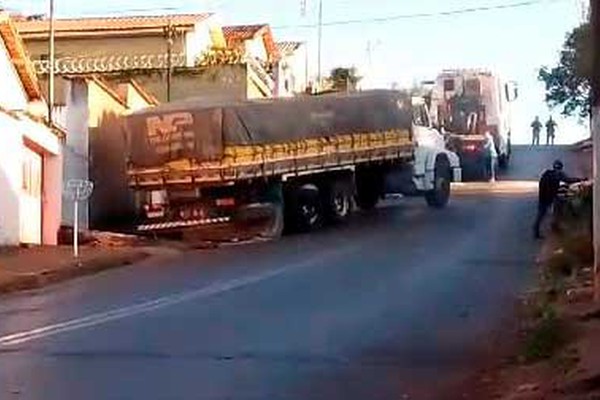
(199, 129)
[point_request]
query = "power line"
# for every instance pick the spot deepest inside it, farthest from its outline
(421, 15)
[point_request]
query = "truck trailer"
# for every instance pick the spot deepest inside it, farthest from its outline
(194, 163)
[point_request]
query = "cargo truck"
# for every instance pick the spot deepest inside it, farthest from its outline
(468, 104)
(312, 159)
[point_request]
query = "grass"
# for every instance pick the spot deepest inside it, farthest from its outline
(548, 336)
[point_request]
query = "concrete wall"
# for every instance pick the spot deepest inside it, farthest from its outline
(585, 162)
(222, 82)
(10, 181)
(76, 149)
(192, 43)
(97, 47)
(52, 196)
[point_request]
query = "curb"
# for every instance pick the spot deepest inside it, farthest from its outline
(74, 270)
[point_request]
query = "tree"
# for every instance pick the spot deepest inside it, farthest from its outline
(568, 83)
(343, 79)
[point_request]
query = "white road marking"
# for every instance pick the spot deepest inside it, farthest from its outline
(159, 303)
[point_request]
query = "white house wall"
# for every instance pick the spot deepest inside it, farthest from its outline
(256, 48)
(10, 181)
(292, 69)
(197, 41)
(18, 131)
(12, 94)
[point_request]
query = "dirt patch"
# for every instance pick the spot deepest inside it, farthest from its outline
(554, 353)
(24, 269)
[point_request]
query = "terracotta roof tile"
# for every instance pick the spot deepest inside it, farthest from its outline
(286, 48)
(33, 29)
(235, 35)
(19, 57)
(238, 33)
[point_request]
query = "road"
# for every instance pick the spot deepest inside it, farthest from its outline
(400, 302)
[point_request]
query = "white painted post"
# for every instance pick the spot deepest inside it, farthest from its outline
(76, 229)
(77, 190)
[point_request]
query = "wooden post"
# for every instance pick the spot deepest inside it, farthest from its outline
(595, 127)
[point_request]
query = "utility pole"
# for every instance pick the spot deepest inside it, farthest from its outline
(51, 57)
(170, 32)
(595, 125)
(320, 36)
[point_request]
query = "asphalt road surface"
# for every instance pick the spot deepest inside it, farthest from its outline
(396, 304)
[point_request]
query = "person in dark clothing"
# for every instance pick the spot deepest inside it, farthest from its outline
(550, 131)
(536, 128)
(548, 189)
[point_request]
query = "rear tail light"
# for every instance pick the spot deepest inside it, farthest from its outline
(154, 210)
(226, 202)
(471, 147)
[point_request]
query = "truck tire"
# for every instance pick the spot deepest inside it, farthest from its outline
(439, 196)
(303, 208)
(369, 188)
(338, 201)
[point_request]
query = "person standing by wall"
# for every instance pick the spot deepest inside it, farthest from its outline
(548, 189)
(550, 131)
(536, 128)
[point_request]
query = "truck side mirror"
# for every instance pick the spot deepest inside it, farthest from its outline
(512, 91)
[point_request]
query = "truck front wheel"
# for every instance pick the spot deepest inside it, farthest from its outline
(439, 196)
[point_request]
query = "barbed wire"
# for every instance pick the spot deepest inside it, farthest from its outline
(112, 63)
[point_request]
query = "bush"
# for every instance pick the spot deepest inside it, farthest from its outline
(548, 336)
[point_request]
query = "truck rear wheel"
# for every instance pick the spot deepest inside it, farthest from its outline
(338, 201)
(369, 188)
(303, 208)
(439, 196)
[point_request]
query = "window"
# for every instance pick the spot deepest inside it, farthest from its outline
(420, 115)
(449, 85)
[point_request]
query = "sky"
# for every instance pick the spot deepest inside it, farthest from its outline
(514, 42)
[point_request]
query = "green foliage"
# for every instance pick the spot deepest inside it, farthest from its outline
(568, 83)
(548, 336)
(342, 78)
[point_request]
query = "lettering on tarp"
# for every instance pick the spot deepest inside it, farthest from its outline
(171, 132)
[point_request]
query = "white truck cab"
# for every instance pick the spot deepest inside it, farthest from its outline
(431, 149)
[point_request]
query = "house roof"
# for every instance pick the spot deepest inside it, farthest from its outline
(288, 48)
(18, 56)
(113, 90)
(147, 96)
(235, 35)
(106, 87)
(59, 131)
(107, 26)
